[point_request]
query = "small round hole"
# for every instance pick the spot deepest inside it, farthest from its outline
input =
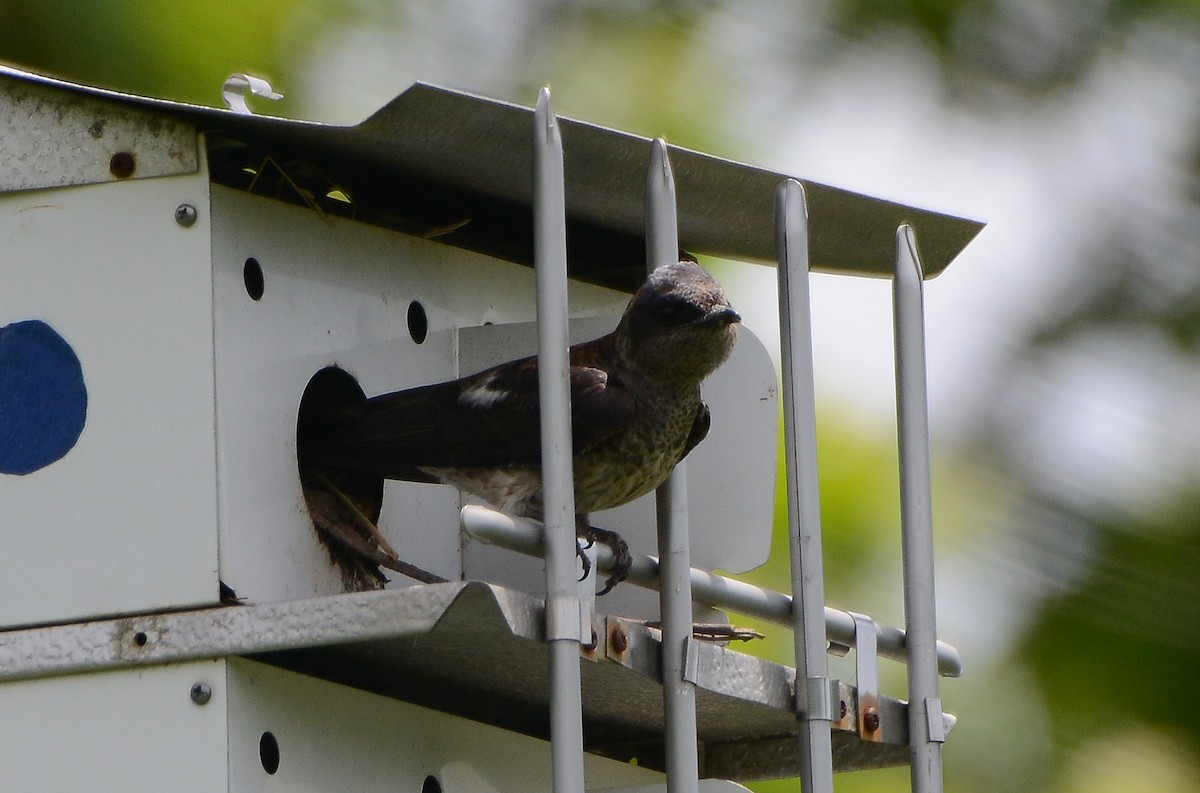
(140, 639)
(122, 165)
(431, 785)
(418, 322)
(268, 752)
(252, 276)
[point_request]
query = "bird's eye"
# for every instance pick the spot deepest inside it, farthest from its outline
(673, 312)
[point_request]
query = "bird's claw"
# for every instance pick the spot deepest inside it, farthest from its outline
(622, 559)
(584, 559)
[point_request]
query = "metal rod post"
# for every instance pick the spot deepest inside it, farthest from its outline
(675, 592)
(563, 617)
(916, 519)
(814, 699)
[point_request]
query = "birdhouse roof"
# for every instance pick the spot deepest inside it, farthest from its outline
(455, 166)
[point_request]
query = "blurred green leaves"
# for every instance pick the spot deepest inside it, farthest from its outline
(1123, 646)
(181, 51)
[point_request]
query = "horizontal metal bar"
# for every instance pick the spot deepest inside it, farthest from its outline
(525, 536)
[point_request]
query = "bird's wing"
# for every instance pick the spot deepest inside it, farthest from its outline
(483, 420)
(699, 429)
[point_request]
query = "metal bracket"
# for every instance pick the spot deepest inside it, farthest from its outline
(816, 698)
(691, 661)
(866, 672)
(565, 618)
(935, 723)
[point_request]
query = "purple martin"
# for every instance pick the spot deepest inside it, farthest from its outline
(636, 412)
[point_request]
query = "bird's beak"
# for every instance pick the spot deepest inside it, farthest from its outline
(726, 315)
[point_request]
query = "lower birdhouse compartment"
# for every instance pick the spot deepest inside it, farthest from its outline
(239, 725)
(389, 672)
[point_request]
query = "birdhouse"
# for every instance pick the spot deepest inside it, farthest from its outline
(182, 284)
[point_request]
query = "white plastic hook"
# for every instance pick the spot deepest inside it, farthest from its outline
(235, 88)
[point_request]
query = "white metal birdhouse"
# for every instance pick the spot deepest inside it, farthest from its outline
(181, 283)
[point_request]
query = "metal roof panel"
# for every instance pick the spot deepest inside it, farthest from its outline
(448, 153)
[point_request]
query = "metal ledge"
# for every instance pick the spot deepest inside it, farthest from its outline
(476, 650)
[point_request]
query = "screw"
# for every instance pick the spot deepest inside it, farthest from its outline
(185, 215)
(121, 165)
(841, 710)
(620, 642)
(201, 692)
(871, 719)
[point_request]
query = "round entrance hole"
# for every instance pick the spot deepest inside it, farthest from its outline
(329, 491)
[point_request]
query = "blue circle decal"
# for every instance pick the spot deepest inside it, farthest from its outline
(43, 402)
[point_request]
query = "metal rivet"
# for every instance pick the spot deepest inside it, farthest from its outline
(185, 215)
(620, 642)
(201, 693)
(122, 165)
(871, 719)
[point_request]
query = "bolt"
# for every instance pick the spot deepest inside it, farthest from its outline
(185, 215)
(121, 165)
(589, 646)
(201, 692)
(619, 641)
(871, 719)
(841, 710)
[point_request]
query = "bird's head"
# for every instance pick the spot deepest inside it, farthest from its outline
(679, 326)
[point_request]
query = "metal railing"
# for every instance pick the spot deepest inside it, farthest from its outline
(568, 611)
(565, 610)
(814, 700)
(925, 730)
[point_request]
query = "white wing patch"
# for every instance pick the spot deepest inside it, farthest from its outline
(482, 395)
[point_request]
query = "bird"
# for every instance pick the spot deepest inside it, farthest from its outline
(636, 412)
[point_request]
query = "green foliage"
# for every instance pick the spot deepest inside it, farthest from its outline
(181, 51)
(933, 18)
(1123, 646)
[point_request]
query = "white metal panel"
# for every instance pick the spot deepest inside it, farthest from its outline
(52, 139)
(125, 520)
(114, 732)
(364, 742)
(335, 293)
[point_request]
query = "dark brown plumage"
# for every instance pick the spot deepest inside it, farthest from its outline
(635, 408)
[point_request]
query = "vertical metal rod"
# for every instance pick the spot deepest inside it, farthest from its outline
(814, 698)
(563, 618)
(675, 592)
(916, 518)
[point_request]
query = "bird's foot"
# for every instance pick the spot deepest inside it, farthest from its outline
(584, 559)
(622, 559)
